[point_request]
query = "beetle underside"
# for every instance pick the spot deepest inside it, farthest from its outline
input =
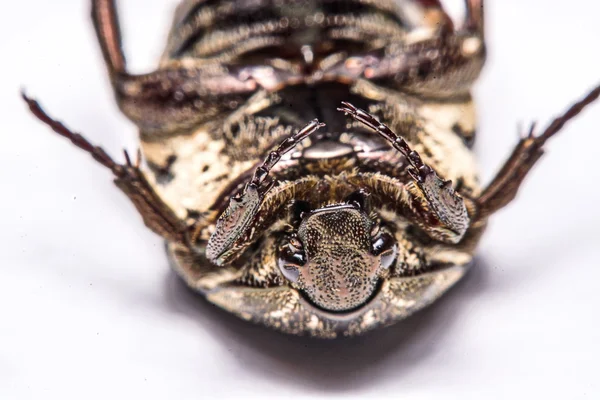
(309, 162)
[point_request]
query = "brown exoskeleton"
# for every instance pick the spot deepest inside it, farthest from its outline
(309, 163)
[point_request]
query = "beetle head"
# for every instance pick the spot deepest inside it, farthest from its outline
(338, 254)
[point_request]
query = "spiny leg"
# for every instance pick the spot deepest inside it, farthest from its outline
(448, 215)
(239, 216)
(505, 185)
(128, 177)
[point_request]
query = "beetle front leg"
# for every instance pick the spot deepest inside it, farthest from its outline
(443, 212)
(239, 217)
(505, 185)
(129, 178)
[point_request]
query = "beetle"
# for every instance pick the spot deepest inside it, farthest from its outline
(309, 164)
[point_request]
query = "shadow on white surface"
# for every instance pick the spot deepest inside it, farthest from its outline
(331, 365)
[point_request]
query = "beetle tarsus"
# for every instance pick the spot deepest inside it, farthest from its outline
(96, 152)
(505, 185)
(128, 177)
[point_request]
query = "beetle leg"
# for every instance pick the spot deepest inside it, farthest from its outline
(443, 66)
(239, 217)
(106, 24)
(129, 178)
(504, 187)
(474, 18)
(447, 217)
(172, 99)
(176, 99)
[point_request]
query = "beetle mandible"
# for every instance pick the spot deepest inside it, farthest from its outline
(309, 163)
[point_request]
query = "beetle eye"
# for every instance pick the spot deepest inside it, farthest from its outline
(291, 258)
(384, 245)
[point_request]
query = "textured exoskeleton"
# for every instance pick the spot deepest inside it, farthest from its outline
(309, 162)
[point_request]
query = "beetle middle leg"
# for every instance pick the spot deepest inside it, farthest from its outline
(503, 188)
(447, 218)
(173, 99)
(238, 218)
(129, 178)
(442, 66)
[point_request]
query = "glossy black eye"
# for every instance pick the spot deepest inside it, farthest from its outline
(384, 245)
(291, 258)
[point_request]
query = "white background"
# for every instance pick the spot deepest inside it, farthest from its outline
(89, 309)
